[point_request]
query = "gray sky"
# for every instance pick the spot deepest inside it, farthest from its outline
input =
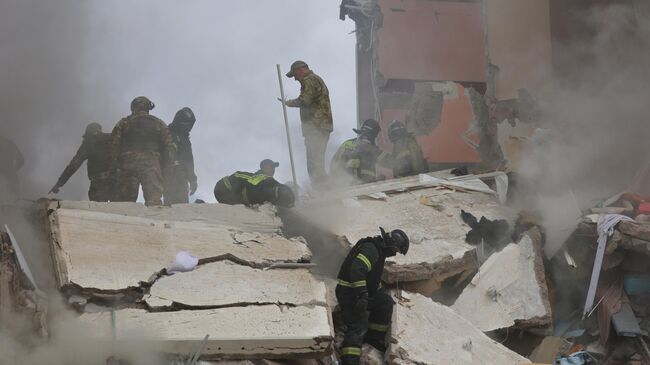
(217, 57)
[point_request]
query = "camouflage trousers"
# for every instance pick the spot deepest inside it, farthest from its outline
(315, 144)
(176, 187)
(101, 189)
(140, 168)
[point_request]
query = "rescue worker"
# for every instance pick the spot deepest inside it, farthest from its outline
(249, 189)
(142, 147)
(11, 160)
(316, 118)
(358, 157)
(180, 179)
(96, 149)
(267, 167)
(407, 157)
(367, 309)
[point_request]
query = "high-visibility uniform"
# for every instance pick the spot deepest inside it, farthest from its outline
(246, 188)
(408, 159)
(361, 273)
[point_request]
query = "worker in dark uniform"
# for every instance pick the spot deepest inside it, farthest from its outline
(407, 157)
(358, 157)
(249, 189)
(179, 177)
(96, 148)
(267, 167)
(367, 309)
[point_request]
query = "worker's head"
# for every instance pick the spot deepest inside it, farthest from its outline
(369, 129)
(268, 166)
(394, 242)
(93, 129)
(284, 196)
(298, 70)
(141, 104)
(396, 131)
(183, 120)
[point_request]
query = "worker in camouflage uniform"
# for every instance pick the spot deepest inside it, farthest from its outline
(249, 189)
(142, 147)
(180, 179)
(96, 149)
(358, 157)
(267, 167)
(11, 160)
(407, 157)
(316, 118)
(367, 309)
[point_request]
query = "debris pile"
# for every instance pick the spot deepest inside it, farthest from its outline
(249, 293)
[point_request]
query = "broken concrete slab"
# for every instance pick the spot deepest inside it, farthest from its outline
(256, 331)
(262, 218)
(509, 289)
(224, 283)
(108, 251)
(426, 332)
(438, 248)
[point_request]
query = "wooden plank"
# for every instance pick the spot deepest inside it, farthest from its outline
(266, 331)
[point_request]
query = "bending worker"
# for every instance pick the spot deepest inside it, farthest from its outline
(357, 158)
(407, 155)
(367, 309)
(249, 189)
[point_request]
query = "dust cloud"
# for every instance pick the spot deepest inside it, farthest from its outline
(594, 131)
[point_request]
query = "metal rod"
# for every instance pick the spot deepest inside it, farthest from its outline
(286, 126)
(197, 354)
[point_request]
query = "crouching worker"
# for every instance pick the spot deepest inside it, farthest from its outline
(367, 309)
(249, 189)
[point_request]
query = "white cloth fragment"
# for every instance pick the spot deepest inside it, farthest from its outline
(183, 262)
(378, 196)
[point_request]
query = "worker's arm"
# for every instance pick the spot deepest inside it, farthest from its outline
(168, 146)
(308, 94)
(189, 169)
(73, 166)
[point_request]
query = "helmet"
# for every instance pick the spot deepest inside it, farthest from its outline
(92, 129)
(142, 103)
(370, 128)
(185, 115)
(284, 196)
(396, 130)
(396, 239)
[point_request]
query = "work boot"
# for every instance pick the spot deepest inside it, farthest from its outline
(376, 339)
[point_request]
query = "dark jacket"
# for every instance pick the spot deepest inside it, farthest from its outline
(408, 159)
(96, 149)
(251, 188)
(183, 158)
(364, 266)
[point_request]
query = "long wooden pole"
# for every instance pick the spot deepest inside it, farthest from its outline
(286, 126)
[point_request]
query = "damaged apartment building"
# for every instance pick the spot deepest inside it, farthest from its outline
(485, 281)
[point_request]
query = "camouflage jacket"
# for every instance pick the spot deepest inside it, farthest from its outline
(407, 157)
(143, 133)
(97, 150)
(314, 102)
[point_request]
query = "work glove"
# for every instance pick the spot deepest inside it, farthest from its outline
(361, 305)
(54, 190)
(193, 187)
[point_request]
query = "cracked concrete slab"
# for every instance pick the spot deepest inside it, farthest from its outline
(257, 331)
(436, 230)
(262, 218)
(227, 284)
(509, 289)
(426, 332)
(110, 251)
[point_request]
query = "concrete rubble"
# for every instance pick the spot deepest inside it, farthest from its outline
(247, 306)
(426, 332)
(428, 211)
(509, 289)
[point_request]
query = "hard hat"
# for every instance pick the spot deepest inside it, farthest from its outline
(142, 103)
(93, 128)
(185, 115)
(370, 128)
(396, 239)
(396, 130)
